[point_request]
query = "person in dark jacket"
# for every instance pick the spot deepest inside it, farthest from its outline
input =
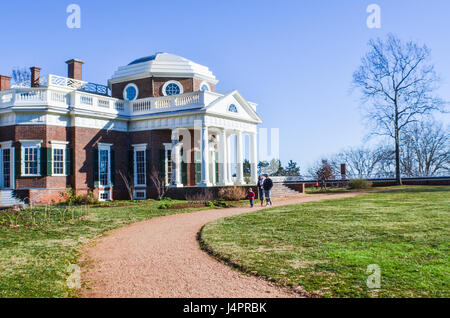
(267, 185)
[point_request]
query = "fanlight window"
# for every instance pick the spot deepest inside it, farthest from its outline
(172, 89)
(232, 108)
(204, 88)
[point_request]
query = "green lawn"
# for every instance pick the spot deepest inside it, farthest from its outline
(325, 247)
(34, 259)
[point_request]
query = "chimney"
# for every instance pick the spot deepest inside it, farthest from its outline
(74, 69)
(4, 82)
(35, 71)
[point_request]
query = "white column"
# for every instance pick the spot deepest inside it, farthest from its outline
(229, 161)
(240, 159)
(223, 165)
(213, 167)
(176, 160)
(253, 159)
(205, 158)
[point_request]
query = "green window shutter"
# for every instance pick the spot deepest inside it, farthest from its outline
(162, 162)
(43, 161)
(113, 167)
(131, 163)
(17, 162)
(95, 167)
(69, 161)
(49, 162)
(184, 179)
(148, 166)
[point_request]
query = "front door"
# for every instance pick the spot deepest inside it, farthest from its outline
(5, 168)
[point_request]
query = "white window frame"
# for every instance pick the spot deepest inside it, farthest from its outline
(172, 82)
(108, 192)
(140, 191)
(7, 145)
(107, 147)
(62, 145)
(124, 93)
(136, 148)
(30, 144)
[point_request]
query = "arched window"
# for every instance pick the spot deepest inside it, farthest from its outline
(204, 87)
(172, 88)
(232, 108)
(130, 92)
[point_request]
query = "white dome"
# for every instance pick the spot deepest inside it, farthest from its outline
(163, 65)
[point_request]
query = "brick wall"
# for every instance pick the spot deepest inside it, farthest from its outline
(152, 86)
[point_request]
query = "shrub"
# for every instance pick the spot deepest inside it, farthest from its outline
(234, 193)
(164, 206)
(71, 197)
(359, 184)
(203, 196)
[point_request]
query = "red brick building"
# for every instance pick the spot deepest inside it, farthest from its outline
(159, 113)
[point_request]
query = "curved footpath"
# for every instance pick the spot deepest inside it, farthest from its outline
(161, 257)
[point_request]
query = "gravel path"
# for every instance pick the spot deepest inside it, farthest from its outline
(161, 257)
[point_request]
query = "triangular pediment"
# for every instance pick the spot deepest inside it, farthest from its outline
(233, 105)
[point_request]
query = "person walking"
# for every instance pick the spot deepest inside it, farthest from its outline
(251, 197)
(267, 185)
(261, 189)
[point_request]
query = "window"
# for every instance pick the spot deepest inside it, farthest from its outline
(204, 87)
(6, 167)
(104, 167)
(58, 161)
(232, 108)
(104, 195)
(31, 158)
(140, 194)
(140, 175)
(58, 158)
(130, 92)
(172, 88)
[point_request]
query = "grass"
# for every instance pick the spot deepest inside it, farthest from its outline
(325, 247)
(34, 259)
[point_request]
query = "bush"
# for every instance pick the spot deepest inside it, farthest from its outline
(233, 193)
(203, 196)
(71, 197)
(359, 184)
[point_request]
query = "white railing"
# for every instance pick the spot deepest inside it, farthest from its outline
(66, 82)
(67, 97)
(156, 104)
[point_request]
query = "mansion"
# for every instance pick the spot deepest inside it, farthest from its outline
(159, 115)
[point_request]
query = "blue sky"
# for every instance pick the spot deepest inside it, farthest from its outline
(294, 58)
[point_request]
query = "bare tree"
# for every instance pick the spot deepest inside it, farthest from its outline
(426, 149)
(159, 182)
(128, 182)
(399, 81)
(363, 162)
(21, 76)
(323, 171)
